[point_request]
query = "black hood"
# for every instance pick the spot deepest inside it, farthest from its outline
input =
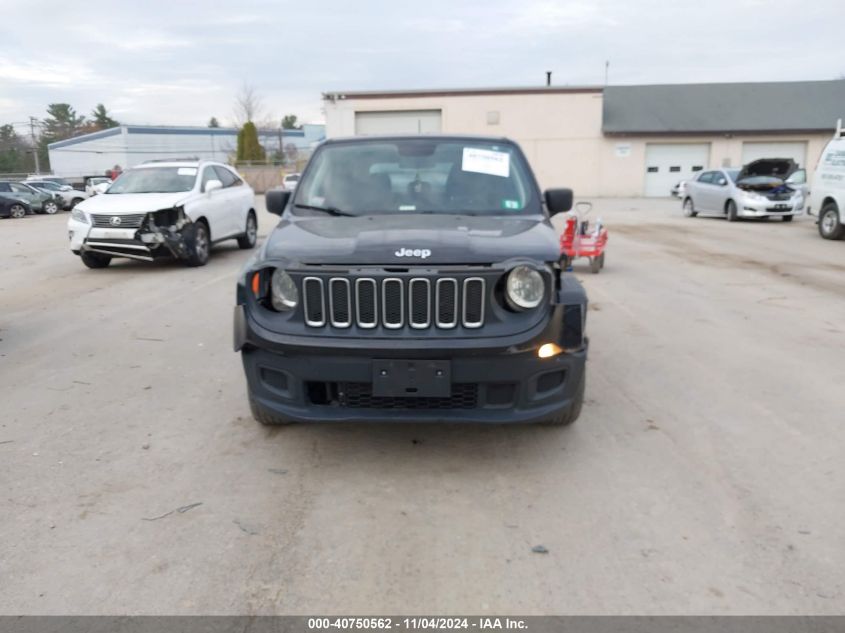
(436, 239)
(780, 168)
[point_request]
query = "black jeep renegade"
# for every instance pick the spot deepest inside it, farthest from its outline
(413, 279)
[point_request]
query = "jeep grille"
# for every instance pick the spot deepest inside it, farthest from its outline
(394, 302)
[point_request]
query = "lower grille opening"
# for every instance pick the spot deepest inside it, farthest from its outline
(359, 395)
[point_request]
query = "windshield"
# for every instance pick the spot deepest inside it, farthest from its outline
(155, 180)
(46, 185)
(419, 176)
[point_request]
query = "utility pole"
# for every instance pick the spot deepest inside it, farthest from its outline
(32, 121)
(606, 70)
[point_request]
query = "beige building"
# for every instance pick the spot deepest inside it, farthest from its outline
(615, 140)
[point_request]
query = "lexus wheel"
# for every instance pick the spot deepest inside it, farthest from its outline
(199, 244)
(17, 211)
(94, 260)
(50, 207)
(250, 236)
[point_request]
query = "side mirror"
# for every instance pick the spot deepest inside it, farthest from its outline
(558, 200)
(211, 185)
(276, 200)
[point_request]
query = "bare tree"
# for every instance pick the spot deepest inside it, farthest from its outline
(248, 105)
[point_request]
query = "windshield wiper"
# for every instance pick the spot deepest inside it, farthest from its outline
(330, 210)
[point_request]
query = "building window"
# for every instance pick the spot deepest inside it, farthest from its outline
(651, 170)
(674, 169)
(493, 117)
(697, 168)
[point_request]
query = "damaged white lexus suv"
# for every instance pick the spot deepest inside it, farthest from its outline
(174, 208)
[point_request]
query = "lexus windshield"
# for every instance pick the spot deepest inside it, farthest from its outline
(155, 180)
(420, 175)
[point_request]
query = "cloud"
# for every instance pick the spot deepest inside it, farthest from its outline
(44, 73)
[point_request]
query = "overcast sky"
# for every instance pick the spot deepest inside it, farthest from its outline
(174, 62)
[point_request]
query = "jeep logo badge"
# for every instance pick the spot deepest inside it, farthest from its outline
(417, 252)
(115, 220)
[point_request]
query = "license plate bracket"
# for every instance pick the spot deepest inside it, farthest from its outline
(412, 378)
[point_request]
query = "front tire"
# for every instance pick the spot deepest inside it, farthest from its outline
(198, 244)
(50, 207)
(830, 225)
(265, 416)
(788, 218)
(596, 264)
(689, 208)
(95, 260)
(17, 211)
(75, 202)
(250, 236)
(570, 414)
(731, 212)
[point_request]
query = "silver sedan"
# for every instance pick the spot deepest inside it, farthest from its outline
(724, 193)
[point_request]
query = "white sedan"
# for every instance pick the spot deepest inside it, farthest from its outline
(164, 209)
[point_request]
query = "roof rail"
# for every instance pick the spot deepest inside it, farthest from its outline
(171, 160)
(839, 130)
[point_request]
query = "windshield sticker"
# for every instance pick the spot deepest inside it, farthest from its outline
(407, 207)
(511, 204)
(485, 161)
(187, 171)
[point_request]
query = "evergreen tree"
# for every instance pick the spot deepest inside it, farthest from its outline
(248, 146)
(101, 119)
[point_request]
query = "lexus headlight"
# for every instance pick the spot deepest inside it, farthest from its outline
(79, 215)
(284, 294)
(525, 287)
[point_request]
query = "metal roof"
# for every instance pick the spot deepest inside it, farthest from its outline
(456, 92)
(796, 106)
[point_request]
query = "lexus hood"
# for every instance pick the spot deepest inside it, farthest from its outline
(412, 240)
(118, 203)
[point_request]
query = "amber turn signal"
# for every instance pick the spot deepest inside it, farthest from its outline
(547, 350)
(256, 284)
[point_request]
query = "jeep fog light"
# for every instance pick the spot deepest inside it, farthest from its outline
(547, 350)
(284, 294)
(525, 287)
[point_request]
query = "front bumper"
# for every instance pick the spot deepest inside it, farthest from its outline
(749, 208)
(504, 382)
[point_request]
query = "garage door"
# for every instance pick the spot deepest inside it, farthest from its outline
(667, 163)
(796, 150)
(406, 122)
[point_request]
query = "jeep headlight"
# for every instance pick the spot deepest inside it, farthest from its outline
(79, 215)
(525, 287)
(283, 293)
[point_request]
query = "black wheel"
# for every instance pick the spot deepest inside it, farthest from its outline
(264, 416)
(830, 226)
(95, 260)
(568, 416)
(730, 211)
(689, 208)
(198, 243)
(596, 264)
(75, 202)
(788, 218)
(17, 211)
(50, 207)
(248, 239)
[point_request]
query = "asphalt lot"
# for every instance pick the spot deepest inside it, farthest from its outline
(705, 476)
